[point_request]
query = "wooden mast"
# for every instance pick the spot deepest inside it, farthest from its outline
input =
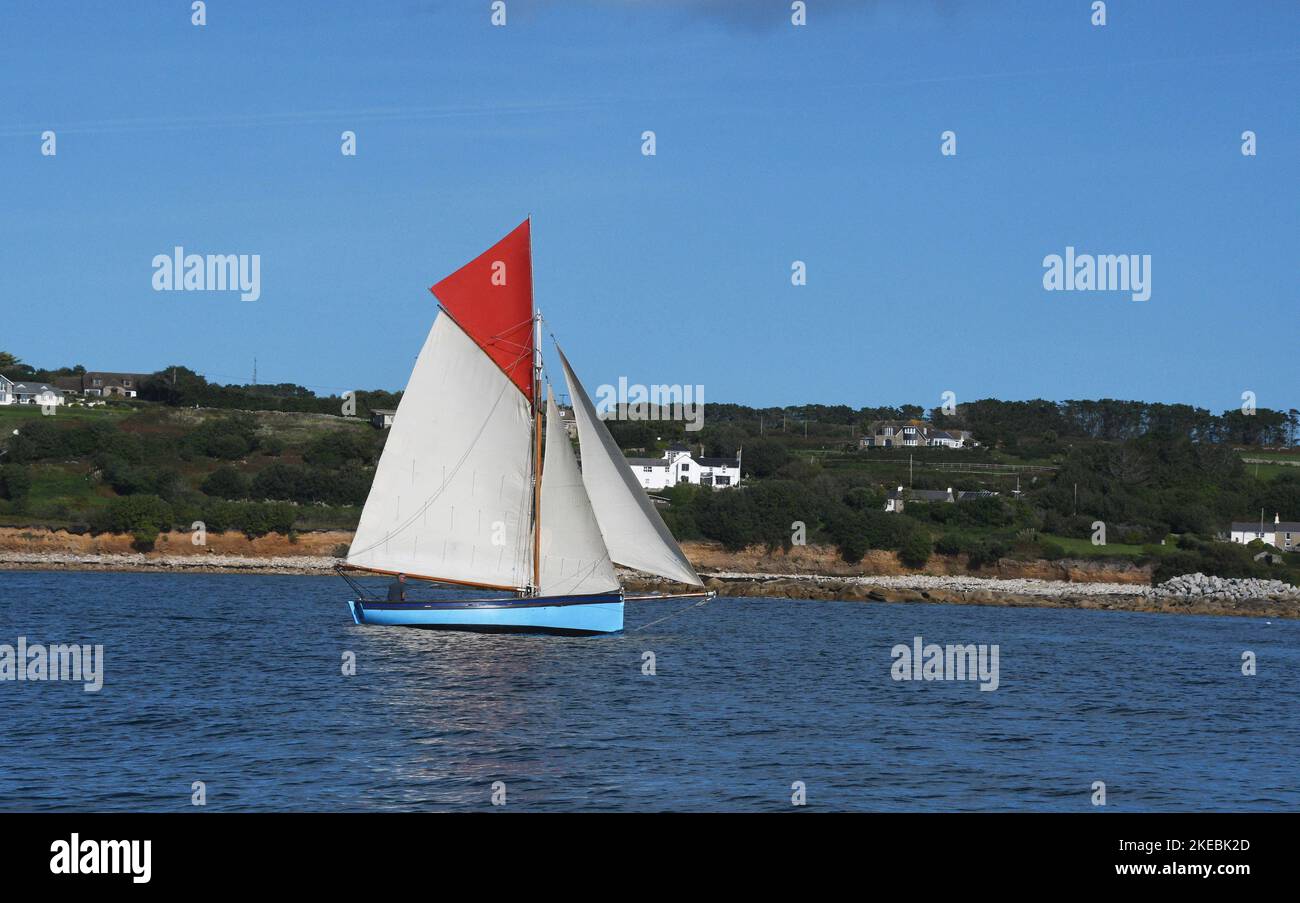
(537, 427)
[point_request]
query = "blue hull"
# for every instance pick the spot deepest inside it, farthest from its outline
(572, 615)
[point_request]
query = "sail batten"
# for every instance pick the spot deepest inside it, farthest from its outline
(430, 511)
(632, 529)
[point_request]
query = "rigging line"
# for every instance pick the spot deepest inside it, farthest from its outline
(510, 329)
(674, 614)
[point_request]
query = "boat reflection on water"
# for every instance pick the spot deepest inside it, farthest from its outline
(447, 692)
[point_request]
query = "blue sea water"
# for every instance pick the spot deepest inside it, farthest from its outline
(236, 681)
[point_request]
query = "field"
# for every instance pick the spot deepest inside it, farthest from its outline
(1084, 548)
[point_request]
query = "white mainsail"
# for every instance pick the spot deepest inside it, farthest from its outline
(634, 533)
(450, 498)
(574, 559)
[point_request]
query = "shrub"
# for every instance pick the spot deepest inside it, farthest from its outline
(15, 484)
(253, 519)
(853, 548)
(226, 483)
(140, 515)
(279, 481)
(1052, 551)
(338, 448)
(914, 551)
(143, 539)
(949, 545)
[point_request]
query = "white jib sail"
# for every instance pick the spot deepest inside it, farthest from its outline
(451, 495)
(634, 533)
(574, 559)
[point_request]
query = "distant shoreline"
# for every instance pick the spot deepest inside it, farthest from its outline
(1019, 592)
(803, 572)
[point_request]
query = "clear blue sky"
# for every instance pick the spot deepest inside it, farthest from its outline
(774, 144)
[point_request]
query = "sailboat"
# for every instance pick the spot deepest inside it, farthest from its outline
(472, 491)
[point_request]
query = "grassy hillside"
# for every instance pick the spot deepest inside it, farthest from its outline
(72, 468)
(1166, 499)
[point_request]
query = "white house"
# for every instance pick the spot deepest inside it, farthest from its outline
(677, 466)
(1284, 535)
(6, 391)
(35, 393)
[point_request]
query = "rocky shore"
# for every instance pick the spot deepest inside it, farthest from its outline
(1183, 595)
(140, 562)
(1188, 594)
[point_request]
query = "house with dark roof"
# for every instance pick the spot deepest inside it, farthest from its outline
(42, 394)
(913, 434)
(1284, 535)
(102, 384)
(678, 466)
(6, 390)
(719, 472)
(111, 385)
(900, 497)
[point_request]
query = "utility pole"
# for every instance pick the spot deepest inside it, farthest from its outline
(255, 370)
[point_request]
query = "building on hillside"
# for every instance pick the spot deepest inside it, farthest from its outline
(382, 418)
(677, 466)
(1284, 535)
(568, 421)
(112, 385)
(42, 394)
(914, 434)
(897, 499)
(6, 390)
(102, 384)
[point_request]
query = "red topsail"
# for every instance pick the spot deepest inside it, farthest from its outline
(491, 298)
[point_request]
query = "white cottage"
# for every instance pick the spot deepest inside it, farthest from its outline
(6, 390)
(36, 393)
(1284, 535)
(677, 466)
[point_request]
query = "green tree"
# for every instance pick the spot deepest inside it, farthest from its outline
(914, 551)
(226, 483)
(143, 516)
(764, 457)
(15, 485)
